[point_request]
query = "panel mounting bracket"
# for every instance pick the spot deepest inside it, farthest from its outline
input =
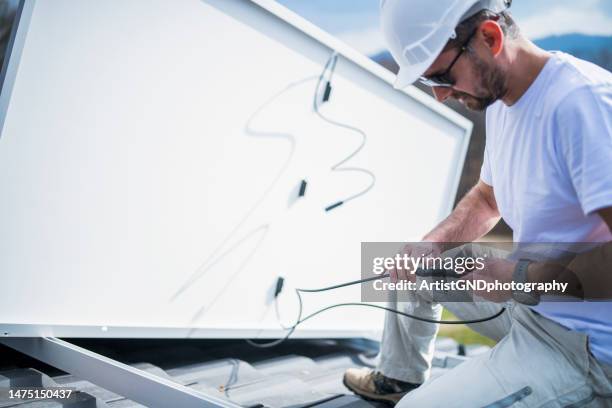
(130, 382)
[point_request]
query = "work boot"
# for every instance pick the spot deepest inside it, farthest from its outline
(374, 386)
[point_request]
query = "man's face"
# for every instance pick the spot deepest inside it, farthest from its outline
(479, 81)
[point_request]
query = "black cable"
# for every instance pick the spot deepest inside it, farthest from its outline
(218, 254)
(301, 319)
(330, 67)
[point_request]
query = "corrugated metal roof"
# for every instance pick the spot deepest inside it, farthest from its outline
(298, 373)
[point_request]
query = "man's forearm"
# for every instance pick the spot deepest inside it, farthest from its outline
(475, 215)
(587, 274)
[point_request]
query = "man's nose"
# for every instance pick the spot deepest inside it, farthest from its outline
(442, 93)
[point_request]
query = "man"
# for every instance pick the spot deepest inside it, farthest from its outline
(547, 171)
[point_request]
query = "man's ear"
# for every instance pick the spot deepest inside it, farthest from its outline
(493, 36)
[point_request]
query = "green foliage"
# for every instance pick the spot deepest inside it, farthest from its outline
(462, 333)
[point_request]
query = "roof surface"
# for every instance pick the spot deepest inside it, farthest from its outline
(298, 373)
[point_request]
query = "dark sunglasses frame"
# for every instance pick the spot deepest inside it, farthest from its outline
(444, 79)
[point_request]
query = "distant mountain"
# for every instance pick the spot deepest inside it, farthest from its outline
(569, 42)
(597, 49)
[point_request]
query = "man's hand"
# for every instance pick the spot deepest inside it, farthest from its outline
(413, 250)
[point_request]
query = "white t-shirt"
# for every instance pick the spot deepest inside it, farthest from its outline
(549, 160)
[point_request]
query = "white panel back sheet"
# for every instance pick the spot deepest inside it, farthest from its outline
(149, 160)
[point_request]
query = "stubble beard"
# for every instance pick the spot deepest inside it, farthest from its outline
(491, 88)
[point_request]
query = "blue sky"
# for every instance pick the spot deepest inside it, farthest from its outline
(356, 21)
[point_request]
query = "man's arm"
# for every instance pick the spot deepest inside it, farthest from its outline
(475, 215)
(606, 215)
(587, 274)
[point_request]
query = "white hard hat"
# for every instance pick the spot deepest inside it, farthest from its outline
(416, 31)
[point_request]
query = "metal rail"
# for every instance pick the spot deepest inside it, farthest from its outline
(122, 379)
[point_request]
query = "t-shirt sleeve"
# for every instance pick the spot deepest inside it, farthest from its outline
(485, 170)
(584, 122)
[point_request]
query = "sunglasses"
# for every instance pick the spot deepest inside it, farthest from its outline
(444, 80)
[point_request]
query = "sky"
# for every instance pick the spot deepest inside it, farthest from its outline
(356, 21)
